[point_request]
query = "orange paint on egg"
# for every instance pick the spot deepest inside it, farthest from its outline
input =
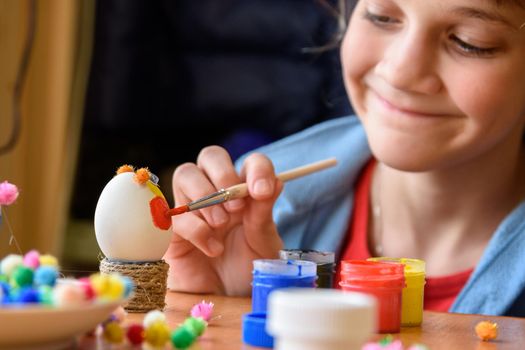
(159, 213)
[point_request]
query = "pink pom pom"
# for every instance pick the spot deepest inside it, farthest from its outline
(203, 310)
(32, 259)
(8, 193)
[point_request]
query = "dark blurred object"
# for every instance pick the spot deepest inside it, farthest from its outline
(169, 77)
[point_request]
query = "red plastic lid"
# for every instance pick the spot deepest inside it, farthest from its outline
(371, 268)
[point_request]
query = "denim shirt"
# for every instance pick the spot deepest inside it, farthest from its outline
(314, 212)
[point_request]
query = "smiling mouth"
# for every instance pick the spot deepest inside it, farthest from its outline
(406, 111)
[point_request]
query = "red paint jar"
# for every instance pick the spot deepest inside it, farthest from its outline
(384, 281)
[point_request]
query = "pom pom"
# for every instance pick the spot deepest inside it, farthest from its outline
(125, 169)
(142, 176)
(182, 338)
(8, 193)
(45, 295)
(85, 284)
(113, 332)
(196, 325)
(32, 259)
(22, 276)
(486, 330)
(28, 296)
(108, 287)
(46, 276)
(202, 310)
(48, 260)
(418, 347)
(129, 286)
(157, 334)
(10, 263)
(68, 294)
(135, 334)
(153, 317)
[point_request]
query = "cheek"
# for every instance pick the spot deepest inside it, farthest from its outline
(361, 51)
(496, 104)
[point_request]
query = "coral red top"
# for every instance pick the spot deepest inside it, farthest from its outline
(440, 292)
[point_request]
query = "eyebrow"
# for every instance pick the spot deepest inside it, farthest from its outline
(482, 15)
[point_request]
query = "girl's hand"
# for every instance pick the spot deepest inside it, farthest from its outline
(213, 248)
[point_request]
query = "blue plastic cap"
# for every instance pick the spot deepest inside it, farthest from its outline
(254, 330)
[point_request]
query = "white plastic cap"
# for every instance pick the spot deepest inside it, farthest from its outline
(301, 318)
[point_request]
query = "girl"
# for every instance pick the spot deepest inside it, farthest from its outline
(433, 167)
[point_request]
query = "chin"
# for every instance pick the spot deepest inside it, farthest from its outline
(404, 156)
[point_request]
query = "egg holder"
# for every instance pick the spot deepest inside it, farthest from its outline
(132, 245)
(149, 278)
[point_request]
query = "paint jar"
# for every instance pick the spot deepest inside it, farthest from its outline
(320, 319)
(385, 281)
(325, 263)
(271, 274)
(413, 293)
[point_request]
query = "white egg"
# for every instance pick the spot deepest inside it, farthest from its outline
(123, 223)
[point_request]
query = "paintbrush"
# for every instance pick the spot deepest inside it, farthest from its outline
(161, 213)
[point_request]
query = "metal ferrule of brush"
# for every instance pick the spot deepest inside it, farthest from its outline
(218, 197)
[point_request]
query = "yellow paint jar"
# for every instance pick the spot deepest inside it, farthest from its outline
(413, 293)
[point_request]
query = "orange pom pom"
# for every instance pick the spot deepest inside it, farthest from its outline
(125, 169)
(142, 176)
(487, 330)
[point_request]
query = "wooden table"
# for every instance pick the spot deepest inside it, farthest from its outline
(438, 331)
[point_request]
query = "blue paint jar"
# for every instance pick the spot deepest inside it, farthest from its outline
(271, 274)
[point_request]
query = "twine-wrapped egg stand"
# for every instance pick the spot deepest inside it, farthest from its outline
(149, 280)
(133, 246)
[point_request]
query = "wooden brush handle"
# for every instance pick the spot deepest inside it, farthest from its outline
(241, 190)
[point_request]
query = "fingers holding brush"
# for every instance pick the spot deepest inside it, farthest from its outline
(217, 164)
(190, 183)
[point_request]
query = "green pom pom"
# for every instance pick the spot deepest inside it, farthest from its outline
(3, 278)
(182, 338)
(45, 295)
(196, 325)
(22, 276)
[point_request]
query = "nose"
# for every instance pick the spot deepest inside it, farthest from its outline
(409, 63)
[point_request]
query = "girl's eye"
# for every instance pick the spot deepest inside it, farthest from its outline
(471, 50)
(379, 20)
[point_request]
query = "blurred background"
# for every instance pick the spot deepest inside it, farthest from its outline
(87, 86)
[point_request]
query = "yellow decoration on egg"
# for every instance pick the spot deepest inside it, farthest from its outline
(155, 189)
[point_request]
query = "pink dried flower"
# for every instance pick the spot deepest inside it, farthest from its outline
(8, 193)
(394, 345)
(203, 310)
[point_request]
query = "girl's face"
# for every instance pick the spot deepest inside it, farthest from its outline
(437, 83)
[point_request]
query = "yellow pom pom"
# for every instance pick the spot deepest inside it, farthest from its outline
(157, 334)
(48, 260)
(113, 332)
(487, 330)
(125, 169)
(108, 287)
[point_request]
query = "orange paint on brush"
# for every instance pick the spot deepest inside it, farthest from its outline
(161, 212)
